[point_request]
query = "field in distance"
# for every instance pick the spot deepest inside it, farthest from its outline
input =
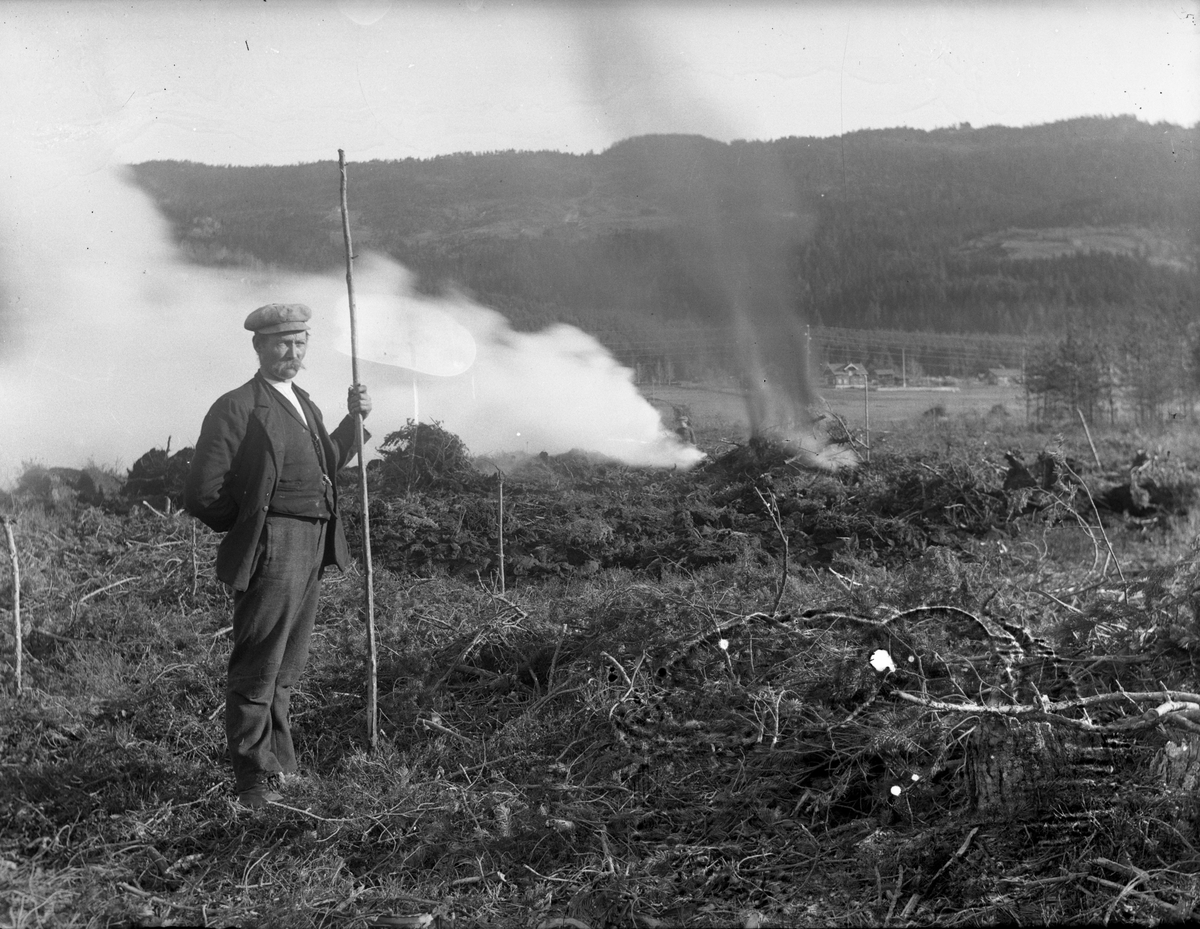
(709, 404)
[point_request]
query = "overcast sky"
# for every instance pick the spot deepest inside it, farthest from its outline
(284, 81)
(111, 342)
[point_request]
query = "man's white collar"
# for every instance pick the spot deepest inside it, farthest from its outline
(288, 389)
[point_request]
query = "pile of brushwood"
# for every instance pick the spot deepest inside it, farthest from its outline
(572, 514)
(155, 480)
(748, 694)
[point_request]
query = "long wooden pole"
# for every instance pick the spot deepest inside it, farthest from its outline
(372, 659)
(16, 573)
(500, 532)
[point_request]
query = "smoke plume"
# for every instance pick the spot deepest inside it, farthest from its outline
(736, 206)
(112, 344)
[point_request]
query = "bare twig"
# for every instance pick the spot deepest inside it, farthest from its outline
(16, 572)
(158, 513)
(1087, 432)
(95, 593)
(848, 583)
(850, 439)
(1050, 596)
(554, 657)
(1100, 526)
(1139, 877)
(552, 695)
(547, 877)
(621, 670)
(1126, 890)
(962, 850)
(438, 727)
(516, 609)
(772, 509)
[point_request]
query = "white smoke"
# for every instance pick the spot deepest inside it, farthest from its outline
(112, 343)
(524, 391)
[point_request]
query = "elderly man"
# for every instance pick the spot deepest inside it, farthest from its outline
(264, 473)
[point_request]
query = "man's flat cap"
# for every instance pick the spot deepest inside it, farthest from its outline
(279, 317)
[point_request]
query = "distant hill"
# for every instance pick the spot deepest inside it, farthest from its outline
(994, 230)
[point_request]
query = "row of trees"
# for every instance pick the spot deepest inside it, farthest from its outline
(672, 248)
(1148, 372)
(893, 229)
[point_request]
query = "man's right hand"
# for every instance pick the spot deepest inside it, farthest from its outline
(358, 402)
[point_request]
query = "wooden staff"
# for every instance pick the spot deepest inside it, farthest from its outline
(372, 661)
(500, 531)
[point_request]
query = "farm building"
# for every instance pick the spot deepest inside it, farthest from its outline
(844, 376)
(1003, 377)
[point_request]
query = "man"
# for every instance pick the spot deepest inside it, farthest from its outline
(683, 427)
(264, 473)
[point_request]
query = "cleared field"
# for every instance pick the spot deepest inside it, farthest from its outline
(711, 405)
(661, 713)
(899, 405)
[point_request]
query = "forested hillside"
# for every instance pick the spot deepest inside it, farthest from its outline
(995, 230)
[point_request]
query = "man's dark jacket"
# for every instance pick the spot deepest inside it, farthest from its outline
(236, 466)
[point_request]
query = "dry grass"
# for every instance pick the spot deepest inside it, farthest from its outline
(583, 749)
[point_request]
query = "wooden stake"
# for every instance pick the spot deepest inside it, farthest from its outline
(867, 409)
(372, 659)
(500, 532)
(195, 564)
(16, 572)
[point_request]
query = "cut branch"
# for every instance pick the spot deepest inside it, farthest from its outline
(1173, 707)
(773, 511)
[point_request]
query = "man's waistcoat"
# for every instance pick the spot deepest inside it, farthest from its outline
(236, 467)
(304, 488)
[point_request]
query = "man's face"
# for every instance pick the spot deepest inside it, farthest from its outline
(281, 354)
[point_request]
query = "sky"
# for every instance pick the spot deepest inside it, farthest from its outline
(111, 343)
(278, 82)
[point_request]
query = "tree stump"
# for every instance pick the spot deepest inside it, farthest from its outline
(1178, 767)
(1178, 764)
(1012, 767)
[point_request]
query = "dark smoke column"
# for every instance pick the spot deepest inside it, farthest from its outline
(737, 217)
(737, 223)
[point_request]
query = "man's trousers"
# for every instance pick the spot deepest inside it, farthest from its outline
(272, 626)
